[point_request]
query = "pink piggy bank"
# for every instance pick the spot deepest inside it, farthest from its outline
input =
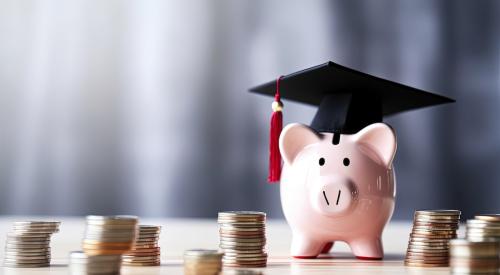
(342, 192)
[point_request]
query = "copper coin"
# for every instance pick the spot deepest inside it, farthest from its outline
(418, 264)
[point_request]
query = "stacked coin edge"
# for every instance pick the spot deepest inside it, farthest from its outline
(109, 235)
(146, 251)
(29, 244)
(432, 230)
(202, 261)
(82, 264)
(243, 238)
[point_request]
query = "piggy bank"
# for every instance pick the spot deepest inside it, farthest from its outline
(337, 192)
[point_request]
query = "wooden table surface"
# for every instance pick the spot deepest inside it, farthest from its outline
(181, 234)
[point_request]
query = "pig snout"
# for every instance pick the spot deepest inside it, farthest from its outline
(334, 196)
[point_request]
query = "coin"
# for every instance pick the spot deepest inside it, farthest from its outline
(428, 245)
(202, 261)
(242, 214)
(438, 212)
(242, 238)
(479, 252)
(82, 263)
(109, 235)
(28, 245)
(145, 250)
(424, 264)
(489, 217)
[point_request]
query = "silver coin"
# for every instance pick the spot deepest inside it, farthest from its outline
(243, 240)
(202, 253)
(241, 251)
(438, 212)
(241, 214)
(28, 250)
(27, 258)
(17, 261)
(15, 247)
(10, 264)
(106, 220)
(230, 243)
(35, 223)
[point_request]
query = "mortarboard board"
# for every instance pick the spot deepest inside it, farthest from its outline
(347, 100)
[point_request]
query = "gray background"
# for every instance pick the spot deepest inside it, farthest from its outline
(141, 107)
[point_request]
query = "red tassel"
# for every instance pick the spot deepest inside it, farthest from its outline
(276, 127)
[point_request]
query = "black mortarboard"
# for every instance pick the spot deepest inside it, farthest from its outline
(348, 100)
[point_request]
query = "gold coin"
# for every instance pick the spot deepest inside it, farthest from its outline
(488, 217)
(100, 243)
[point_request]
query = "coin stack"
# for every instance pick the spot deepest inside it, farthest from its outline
(109, 235)
(82, 264)
(429, 240)
(202, 262)
(474, 257)
(145, 251)
(243, 238)
(483, 227)
(29, 244)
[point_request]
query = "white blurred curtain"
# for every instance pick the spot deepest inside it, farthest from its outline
(141, 106)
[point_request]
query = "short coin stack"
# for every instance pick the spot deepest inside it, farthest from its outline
(29, 244)
(109, 235)
(201, 262)
(145, 251)
(243, 238)
(474, 257)
(483, 227)
(430, 236)
(82, 264)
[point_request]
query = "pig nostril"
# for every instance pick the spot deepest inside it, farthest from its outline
(338, 197)
(326, 199)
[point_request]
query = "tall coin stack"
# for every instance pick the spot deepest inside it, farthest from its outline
(243, 238)
(29, 244)
(483, 227)
(145, 251)
(429, 240)
(82, 264)
(202, 261)
(109, 235)
(474, 257)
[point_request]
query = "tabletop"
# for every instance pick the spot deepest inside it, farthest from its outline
(181, 234)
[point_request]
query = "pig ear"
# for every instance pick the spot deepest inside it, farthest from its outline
(294, 138)
(378, 141)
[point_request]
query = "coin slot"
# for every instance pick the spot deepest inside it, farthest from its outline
(336, 138)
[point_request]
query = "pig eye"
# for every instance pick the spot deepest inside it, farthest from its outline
(321, 161)
(346, 162)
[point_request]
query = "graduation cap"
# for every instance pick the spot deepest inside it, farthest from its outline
(347, 100)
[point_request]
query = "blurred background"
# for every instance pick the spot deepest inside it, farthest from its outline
(141, 107)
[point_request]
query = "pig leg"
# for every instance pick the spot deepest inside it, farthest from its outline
(327, 248)
(305, 248)
(367, 248)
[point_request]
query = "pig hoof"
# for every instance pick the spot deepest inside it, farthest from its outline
(305, 248)
(367, 249)
(369, 258)
(305, 257)
(327, 248)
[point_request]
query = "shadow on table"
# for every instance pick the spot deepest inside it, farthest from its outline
(341, 259)
(349, 256)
